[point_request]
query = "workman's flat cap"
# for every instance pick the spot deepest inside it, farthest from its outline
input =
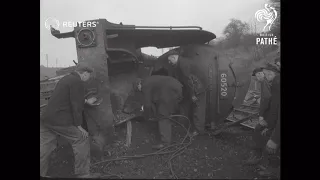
(256, 70)
(271, 68)
(83, 66)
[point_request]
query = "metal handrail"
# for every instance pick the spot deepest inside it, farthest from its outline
(157, 27)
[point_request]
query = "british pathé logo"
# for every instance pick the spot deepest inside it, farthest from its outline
(268, 15)
(266, 39)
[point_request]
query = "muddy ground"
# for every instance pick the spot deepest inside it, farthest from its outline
(207, 157)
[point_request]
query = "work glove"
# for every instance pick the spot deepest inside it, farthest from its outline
(262, 122)
(271, 147)
(194, 99)
(91, 100)
(264, 132)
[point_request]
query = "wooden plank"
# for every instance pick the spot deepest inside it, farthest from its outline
(246, 125)
(253, 91)
(129, 133)
(229, 119)
(253, 106)
(124, 120)
(246, 111)
(43, 105)
(235, 123)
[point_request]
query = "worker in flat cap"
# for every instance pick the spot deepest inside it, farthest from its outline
(264, 103)
(264, 96)
(277, 63)
(258, 73)
(267, 133)
(63, 117)
(269, 69)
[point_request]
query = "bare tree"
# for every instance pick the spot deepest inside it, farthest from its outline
(234, 32)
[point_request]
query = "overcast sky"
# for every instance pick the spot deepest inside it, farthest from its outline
(211, 15)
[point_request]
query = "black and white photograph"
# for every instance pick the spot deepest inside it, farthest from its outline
(150, 89)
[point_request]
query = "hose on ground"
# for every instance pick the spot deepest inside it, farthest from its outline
(180, 147)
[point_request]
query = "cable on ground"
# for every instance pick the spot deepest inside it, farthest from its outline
(175, 153)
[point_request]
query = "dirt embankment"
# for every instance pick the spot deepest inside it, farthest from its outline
(207, 157)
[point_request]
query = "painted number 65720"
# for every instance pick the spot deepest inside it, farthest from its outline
(223, 85)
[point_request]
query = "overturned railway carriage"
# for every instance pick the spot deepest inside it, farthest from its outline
(114, 51)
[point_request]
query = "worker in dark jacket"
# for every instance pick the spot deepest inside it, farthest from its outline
(273, 119)
(193, 75)
(267, 132)
(190, 65)
(273, 124)
(63, 117)
(160, 97)
(264, 95)
(164, 66)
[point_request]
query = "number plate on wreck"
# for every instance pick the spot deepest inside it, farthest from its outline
(223, 85)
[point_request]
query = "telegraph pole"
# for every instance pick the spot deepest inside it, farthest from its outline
(47, 59)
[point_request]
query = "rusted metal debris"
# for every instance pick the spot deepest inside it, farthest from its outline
(246, 115)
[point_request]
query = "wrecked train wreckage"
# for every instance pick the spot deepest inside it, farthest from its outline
(225, 86)
(114, 51)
